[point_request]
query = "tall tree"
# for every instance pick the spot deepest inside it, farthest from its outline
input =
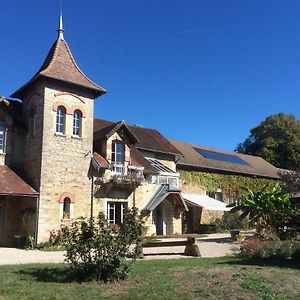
(292, 180)
(276, 139)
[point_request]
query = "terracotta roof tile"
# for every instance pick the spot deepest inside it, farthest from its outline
(108, 131)
(60, 65)
(102, 162)
(12, 184)
(137, 159)
(148, 139)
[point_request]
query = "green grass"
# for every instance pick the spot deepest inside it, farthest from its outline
(193, 278)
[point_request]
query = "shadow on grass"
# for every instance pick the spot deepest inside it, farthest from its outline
(264, 262)
(47, 274)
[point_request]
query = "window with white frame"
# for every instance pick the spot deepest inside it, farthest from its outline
(118, 155)
(172, 181)
(166, 175)
(116, 212)
(60, 119)
(2, 137)
(77, 122)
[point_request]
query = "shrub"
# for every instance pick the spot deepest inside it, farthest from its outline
(251, 247)
(269, 208)
(255, 247)
(296, 251)
(231, 221)
(98, 251)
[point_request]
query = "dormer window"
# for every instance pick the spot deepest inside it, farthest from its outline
(2, 137)
(118, 156)
(77, 121)
(60, 120)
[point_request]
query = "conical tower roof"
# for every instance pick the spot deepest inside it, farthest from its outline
(60, 65)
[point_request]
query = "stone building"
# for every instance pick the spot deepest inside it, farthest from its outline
(58, 163)
(51, 154)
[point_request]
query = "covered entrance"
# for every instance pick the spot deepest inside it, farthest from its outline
(18, 209)
(166, 206)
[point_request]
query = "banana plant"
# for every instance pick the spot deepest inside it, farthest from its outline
(270, 207)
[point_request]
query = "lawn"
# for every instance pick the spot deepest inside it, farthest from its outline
(204, 278)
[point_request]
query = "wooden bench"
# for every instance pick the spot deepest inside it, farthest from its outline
(191, 249)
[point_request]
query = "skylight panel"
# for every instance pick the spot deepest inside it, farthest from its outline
(229, 158)
(159, 166)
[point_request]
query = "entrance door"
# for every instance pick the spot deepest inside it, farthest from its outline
(164, 219)
(161, 219)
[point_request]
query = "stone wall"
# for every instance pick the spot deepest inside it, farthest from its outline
(210, 216)
(65, 160)
(32, 149)
(140, 197)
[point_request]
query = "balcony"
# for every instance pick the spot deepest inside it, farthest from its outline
(121, 176)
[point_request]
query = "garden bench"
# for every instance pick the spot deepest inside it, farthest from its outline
(191, 249)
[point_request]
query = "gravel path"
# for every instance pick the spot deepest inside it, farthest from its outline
(213, 245)
(13, 256)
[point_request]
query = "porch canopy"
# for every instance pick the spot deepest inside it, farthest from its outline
(205, 202)
(161, 193)
(13, 185)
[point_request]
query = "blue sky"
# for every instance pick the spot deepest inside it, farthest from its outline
(202, 71)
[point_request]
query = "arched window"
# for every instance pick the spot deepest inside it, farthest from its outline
(2, 136)
(77, 122)
(60, 119)
(67, 208)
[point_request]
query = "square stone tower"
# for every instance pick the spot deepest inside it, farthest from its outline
(58, 107)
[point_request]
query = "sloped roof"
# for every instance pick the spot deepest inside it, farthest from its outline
(60, 65)
(148, 139)
(205, 201)
(12, 184)
(137, 159)
(101, 161)
(114, 127)
(161, 193)
(193, 160)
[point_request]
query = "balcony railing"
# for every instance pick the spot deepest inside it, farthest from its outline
(123, 175)
(117, 168)
(121, 169)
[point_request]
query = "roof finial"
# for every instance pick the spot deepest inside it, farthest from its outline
(61, 26)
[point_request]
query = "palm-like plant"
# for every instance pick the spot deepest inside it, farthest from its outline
(270, 207)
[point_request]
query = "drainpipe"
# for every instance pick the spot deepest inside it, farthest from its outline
(92, 197)
(37, 218)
